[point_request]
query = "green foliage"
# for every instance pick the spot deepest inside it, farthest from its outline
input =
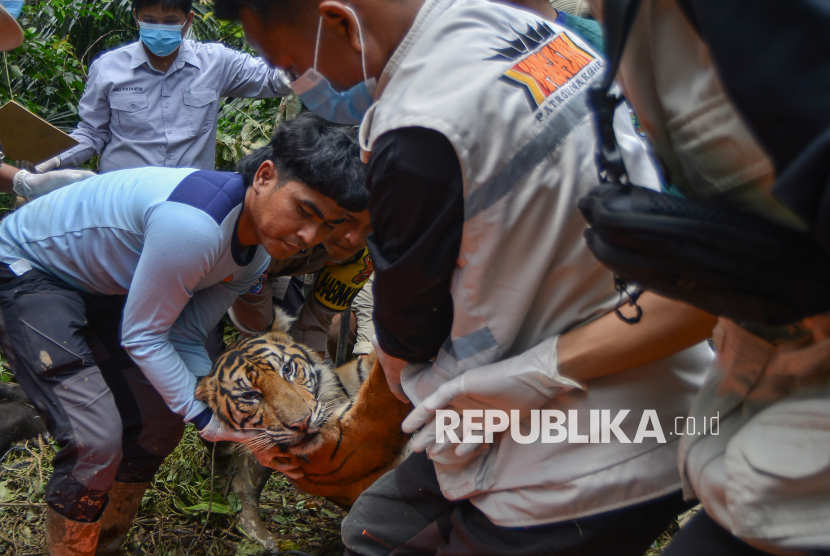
(47, 74)
(247, 124)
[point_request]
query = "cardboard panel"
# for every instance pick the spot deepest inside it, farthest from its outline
(25, 136)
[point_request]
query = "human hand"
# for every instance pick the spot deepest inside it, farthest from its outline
(521, 383)
(30, 186)
(392, 367)
(284, 463)
(216, 431)
(49, 165)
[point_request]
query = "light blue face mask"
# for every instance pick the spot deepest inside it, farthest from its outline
(317, 95)
(14, 7)
(162, 40)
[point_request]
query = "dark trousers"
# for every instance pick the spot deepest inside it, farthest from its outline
(703, 536)
(404, 513)
(64, 349)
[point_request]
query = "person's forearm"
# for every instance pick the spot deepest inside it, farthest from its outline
(608, 345)
(7, 178)
(541, 7)
(79, 154)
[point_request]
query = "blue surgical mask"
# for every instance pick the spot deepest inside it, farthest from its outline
(162, 40)
(14, 7)
(317, 95)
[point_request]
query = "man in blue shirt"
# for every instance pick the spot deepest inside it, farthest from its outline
(159, 254)
(155, 102)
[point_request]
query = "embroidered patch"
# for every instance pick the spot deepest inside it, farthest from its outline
(549, 67)
(259, 284)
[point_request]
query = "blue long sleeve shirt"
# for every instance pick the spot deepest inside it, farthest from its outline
(164, 237)
(135, 115)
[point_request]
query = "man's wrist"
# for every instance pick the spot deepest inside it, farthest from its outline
(202, 419)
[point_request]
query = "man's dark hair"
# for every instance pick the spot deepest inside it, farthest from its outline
(317, 153)
(265, 9)
(167, 5)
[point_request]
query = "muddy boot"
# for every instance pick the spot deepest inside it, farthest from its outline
(118, 516)
(248, 481)
(65, 537)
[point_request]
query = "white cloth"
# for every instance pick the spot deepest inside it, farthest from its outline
(766, 475)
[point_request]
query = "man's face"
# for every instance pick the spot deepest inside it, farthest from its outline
(290, 216)
(290, 46)
(156, 14)
(349, 237)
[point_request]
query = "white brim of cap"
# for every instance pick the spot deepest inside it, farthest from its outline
(11, 35)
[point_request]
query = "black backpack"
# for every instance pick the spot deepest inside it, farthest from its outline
(728, 263)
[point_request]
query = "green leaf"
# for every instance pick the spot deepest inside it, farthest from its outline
(202, 507)
(248, 548)
(5, 493)
(234, 502)
(288, 545)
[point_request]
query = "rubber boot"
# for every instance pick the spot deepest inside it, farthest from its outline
(124, 500)
(65, 537)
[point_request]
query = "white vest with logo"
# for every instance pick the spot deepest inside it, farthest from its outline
(507, 89)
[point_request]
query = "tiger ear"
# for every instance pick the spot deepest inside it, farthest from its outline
(282, 322)
(206, 390)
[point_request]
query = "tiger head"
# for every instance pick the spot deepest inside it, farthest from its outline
(274, 385)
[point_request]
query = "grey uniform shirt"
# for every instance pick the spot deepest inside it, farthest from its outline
(135, 115)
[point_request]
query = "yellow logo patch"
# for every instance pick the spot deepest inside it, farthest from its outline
(337, 285)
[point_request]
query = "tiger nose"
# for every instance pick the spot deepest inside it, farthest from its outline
(301, 425)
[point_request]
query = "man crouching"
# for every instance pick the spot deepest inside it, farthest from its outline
(108, 289)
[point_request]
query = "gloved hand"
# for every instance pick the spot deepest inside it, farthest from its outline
(524, 382)
(392, 367)
(31, 186)
(216, 431)
(49, 165)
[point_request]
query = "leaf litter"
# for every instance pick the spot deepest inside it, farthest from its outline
(174, 517)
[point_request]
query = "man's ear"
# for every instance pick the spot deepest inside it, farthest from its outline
(266, 177)
(340, 19)
(188, 22)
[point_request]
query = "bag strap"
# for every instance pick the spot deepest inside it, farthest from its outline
(618, 17)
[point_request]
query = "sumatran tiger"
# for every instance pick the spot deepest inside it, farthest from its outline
(341, 426)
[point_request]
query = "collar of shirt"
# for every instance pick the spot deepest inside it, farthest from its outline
(186, 55)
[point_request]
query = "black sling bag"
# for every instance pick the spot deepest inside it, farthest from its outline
(728, 263)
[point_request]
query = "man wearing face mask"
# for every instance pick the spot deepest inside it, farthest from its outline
(155, 102)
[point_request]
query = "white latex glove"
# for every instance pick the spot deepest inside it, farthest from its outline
(31, 186)
(392, 367)
(216, 431)
(49, 165)
(524, 382)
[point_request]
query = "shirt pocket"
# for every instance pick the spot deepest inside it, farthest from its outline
(130, 114)
(199, 109)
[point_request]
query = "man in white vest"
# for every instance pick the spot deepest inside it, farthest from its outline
(479, 145)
